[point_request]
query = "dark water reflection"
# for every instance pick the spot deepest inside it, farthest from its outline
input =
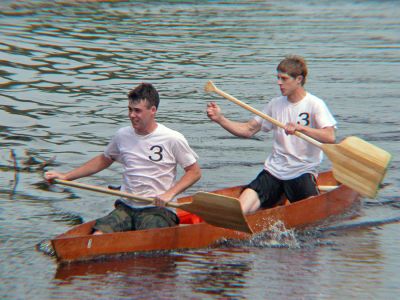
(181, 275)
(66, 67)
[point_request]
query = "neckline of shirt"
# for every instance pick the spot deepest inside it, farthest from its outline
(146, 135)
(298, 102)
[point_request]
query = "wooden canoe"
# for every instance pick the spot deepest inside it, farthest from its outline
(78, 244)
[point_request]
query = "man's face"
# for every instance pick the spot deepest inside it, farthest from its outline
(288, 84)
(141, 116)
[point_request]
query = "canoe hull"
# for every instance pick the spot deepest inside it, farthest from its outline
(79, 244)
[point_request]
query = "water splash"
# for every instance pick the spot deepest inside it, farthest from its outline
(276, 236)
(45, 247)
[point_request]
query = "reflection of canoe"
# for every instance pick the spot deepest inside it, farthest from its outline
(140, 266)
(78, 244)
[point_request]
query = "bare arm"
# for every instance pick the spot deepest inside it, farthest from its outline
(192, 174)
(323, 135)
(240, 129)
(91, 167)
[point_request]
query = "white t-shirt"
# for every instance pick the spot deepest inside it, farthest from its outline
(292, 156)
(149, 161)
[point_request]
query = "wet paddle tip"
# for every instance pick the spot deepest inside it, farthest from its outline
(219, 210)
(210, 87)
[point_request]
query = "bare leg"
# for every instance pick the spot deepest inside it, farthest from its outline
(249, 201)
(97, 232)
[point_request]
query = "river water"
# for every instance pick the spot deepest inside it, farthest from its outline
(66, 67)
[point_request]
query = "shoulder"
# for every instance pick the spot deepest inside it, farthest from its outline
(274, 102)
(316, 103)
(271, 106)
(121, 135)
(321, 111)
(314, 99)
(277, 100)
(166, 131)
(172, 139)
(124, 130)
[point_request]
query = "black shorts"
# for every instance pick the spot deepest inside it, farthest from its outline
(125, 218)
(271, 189)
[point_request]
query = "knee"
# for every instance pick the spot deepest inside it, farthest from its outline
(249, 201)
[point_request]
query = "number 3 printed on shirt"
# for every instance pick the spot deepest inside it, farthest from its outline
(157, 153)
(305, 118)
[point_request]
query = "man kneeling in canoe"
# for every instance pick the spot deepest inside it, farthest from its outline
(291, 168)
(149, 153)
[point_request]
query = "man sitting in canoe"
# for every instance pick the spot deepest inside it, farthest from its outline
(291, 168)
(149, 153)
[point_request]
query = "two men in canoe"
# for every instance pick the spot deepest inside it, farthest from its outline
(149, 153)
(291, 168)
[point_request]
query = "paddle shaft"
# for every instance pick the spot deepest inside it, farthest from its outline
(217, 210)
(109, 191)
(264, 116)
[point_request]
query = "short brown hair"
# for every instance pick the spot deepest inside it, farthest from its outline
(294, 66)
(146, 92)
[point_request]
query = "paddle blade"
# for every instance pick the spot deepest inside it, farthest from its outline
(358, 164)
(218, 210)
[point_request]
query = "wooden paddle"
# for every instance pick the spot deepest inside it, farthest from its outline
(355, 163)
(217, 210)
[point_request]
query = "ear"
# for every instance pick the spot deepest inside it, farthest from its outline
(299, 79)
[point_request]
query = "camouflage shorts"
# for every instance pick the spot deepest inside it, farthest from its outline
(125, 218)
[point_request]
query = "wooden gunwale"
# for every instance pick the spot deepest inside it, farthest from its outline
(79, 244)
